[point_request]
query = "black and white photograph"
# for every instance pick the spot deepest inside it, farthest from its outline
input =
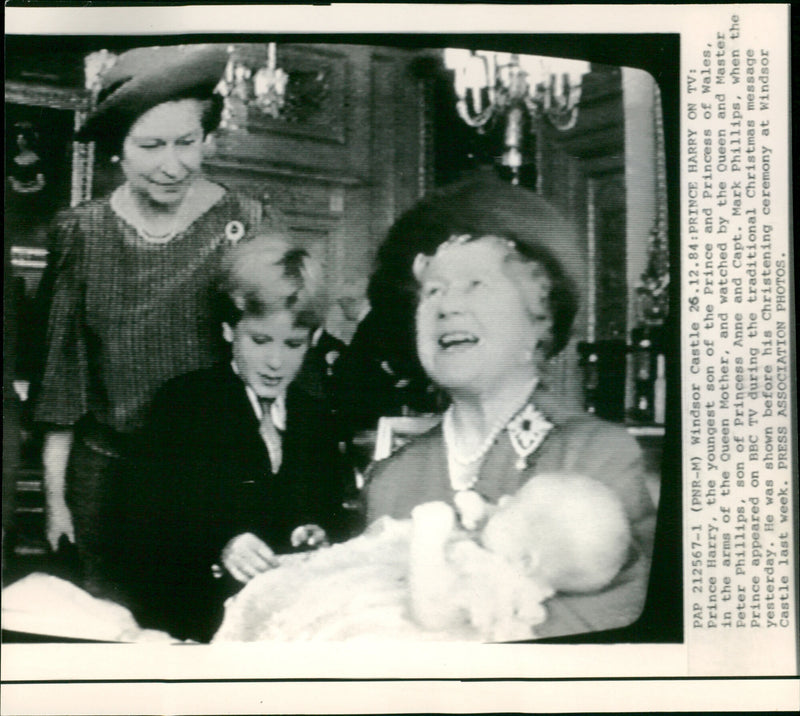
(359, 341)
(200, 292)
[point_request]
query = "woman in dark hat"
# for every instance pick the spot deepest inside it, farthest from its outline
(494, 291)
(131, 279)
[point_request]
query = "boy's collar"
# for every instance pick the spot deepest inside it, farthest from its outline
(277, 406)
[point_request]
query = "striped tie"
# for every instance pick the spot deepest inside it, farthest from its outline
(272, 438)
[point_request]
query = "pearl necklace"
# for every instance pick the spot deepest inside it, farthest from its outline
(125, 206)
(156, 238)
(463, 466)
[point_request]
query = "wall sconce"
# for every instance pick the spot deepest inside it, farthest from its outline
(244, 86)
(94, 65)
(519, 89)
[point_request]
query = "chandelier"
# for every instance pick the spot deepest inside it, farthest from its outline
(516, 89)
(250, 84)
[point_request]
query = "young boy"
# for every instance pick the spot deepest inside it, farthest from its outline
(237, 463)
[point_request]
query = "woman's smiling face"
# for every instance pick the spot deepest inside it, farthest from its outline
(475, 329)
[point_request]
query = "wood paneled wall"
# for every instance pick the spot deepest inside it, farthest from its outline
(344, 170)
(355, 148)
(583, 172)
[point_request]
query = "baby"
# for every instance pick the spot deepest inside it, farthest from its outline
(558, 533)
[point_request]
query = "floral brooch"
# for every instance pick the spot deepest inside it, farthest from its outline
(234, 231)
(526, 431)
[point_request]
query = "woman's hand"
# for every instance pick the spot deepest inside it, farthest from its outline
(246, 555)
(309, 536)
(58, 518)
(58, 521)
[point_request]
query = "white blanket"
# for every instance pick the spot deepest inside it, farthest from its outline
(356, 591)
(49, 606)
(360, 591)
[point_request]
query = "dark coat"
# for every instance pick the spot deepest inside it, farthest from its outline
(198, 475)
(379, 375)
(316, 373)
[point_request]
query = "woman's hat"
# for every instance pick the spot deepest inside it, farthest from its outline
(145, 77)
(481, 205)
(485, 205)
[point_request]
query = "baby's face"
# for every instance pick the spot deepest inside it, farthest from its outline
(569, 530)
(510, 534)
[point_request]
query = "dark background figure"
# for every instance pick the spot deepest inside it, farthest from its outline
(25, 170)
(317, 371)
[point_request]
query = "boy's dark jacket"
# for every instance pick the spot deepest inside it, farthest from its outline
(199, 474)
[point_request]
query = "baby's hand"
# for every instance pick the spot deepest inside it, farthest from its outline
(309, 536)
(473, 510)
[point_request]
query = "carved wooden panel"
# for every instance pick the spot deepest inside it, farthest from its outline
(314, 103)
(610, 221)
(37, 95)
(311, 205)
(594, 152)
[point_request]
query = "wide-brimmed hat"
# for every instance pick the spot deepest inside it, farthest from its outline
(483, 205)
(486, 204)
(145, 77)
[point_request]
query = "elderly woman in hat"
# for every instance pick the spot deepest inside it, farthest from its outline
(131, 278)
(495, 291)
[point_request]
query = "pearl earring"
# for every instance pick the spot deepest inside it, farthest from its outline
(115, 159)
